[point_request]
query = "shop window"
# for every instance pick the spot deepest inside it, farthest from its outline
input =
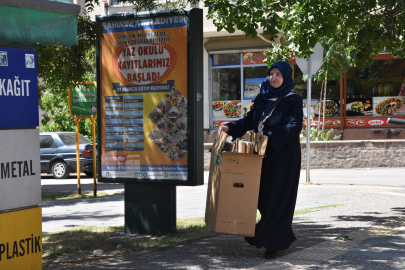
(332, 100)
(376, 90)
(382, 78)
(252, 81)
(226, 84)
(226, 93)
(253, 78)
(226, 59)
(332, 87)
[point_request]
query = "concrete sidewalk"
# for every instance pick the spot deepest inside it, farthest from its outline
(365, 206)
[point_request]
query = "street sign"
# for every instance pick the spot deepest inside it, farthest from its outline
(316, 60)
(83, 99)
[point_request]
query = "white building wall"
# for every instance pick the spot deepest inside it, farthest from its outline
(98, 9)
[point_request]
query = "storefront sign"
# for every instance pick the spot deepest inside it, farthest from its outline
(144, 98)
(83, 99)
(20, 173)
(21, 239)
(382, 122)
(18, 88)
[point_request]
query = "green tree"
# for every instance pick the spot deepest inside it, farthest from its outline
(351, 31)
(59, 68)
(361, 27)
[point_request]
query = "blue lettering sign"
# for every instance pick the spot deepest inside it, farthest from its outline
(18, 88)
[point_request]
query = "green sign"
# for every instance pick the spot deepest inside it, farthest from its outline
(83, 100)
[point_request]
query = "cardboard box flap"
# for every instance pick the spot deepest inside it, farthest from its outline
(213, 180)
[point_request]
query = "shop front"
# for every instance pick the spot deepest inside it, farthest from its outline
(356, 107)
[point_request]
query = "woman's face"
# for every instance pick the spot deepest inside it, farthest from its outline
(276, 78)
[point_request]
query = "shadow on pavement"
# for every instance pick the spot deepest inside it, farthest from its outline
(232, 252)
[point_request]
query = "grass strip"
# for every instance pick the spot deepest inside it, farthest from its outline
(75, 246)
(314, 209)
(71, 196)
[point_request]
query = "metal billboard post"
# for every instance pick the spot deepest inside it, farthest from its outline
(308, 179)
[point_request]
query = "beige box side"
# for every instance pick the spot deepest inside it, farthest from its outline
(235, 206)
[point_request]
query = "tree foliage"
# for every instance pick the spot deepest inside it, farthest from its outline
(59, 68)
(359, 29)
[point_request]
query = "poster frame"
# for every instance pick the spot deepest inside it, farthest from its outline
(194, 97)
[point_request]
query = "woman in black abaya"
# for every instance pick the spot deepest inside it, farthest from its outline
(282, 162)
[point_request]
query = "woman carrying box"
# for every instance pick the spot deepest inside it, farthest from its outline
(282, 162)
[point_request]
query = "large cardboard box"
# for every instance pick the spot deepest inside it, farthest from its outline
(233, 191)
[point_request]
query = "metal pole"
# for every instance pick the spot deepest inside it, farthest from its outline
(93, 122)
(79, 189)
(308, 180)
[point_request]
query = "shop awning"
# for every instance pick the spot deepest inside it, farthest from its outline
(27, 22)
(236, 44)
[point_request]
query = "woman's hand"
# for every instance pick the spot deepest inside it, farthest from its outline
(222, 129)
(259, 135)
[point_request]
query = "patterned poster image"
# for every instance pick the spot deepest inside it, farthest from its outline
(144, 98)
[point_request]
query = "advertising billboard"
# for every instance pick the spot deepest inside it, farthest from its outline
(18, 88)
(149, 97)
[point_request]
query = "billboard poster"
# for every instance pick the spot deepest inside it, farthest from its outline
(253, 58)
(83, 99)
(143, 101)
(332, 107)
(388, 106)
(18, 88)
(359, 107)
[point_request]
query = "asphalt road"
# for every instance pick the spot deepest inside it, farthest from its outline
(109, 211)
